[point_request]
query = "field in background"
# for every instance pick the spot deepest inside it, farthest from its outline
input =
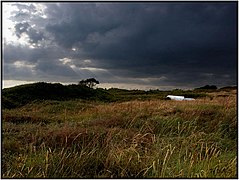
(139, 138)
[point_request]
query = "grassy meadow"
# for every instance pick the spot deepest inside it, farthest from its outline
(139, 138)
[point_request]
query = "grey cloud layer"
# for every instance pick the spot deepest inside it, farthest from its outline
(182, 42)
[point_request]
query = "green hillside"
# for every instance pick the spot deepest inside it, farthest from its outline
(23, 94)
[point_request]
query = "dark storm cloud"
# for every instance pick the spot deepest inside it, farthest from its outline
(156, 32)
(37, 63)
(54, 67)
(33, 34)
(177, 44)
(19, 72)
(13, 53)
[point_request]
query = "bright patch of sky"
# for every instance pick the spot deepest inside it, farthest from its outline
(9, 9)
(12, 83)
(7, 24)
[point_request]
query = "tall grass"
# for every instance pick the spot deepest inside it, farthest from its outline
(135, 139)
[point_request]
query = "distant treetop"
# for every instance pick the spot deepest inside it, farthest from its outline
(91, 82)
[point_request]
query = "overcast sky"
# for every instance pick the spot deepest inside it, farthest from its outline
(161, 45)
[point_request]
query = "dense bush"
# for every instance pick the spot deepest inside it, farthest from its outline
(207, 88)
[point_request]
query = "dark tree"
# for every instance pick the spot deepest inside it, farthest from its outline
(82, 83)
(91, 82)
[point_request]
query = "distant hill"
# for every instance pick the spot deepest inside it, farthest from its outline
(23, 94)
(228, 88)
(207, 87)
(211, 88)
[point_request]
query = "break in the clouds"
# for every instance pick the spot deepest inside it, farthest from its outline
(141, 45)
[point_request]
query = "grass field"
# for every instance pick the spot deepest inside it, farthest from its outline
(134, 139)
